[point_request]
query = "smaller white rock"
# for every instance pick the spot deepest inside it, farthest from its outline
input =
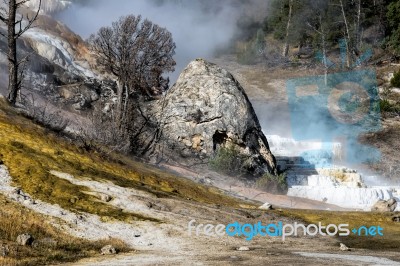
(343, 247)
(105, 197)
(243, 249)
(108, 250)
(266, 206)
(25, 240)
(4, 250)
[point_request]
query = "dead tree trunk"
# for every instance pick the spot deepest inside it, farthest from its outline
(321, 32)
(286, 45)
(347, 34)
(358, 30)
(15, 29)
(13, 86)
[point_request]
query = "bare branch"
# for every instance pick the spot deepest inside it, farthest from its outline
(3, 34)
(25, 59)
(30, 21)
(3, 19)
(23, 2)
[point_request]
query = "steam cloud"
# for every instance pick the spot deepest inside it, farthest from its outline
(199, 28)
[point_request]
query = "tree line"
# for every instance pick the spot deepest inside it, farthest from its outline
(319, 25)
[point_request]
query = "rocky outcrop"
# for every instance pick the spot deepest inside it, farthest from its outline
(208, 109)
(49, 6)
(385, 205)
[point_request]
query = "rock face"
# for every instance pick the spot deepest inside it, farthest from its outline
(208, 109)
(49, 6)
(385, 205)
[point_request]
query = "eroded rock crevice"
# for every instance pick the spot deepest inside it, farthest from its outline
(207, 109)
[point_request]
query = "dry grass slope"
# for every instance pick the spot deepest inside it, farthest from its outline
(30, 152)
(53, 245)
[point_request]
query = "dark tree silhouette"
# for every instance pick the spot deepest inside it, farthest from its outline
(16, 26)
(136, 52)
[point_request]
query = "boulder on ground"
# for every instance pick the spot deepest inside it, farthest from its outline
(208, 109)
(4, 250)
(25, 240)
(385, 205)
(343, 247)
(266, 206)
(108, 250)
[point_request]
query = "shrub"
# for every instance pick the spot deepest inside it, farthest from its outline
(45, 115)
(275, 184)
(395, 81)
(247, 56)
(251, 52)
(229, 160)
(388, 107)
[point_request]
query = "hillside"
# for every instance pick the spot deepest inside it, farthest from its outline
(65, 190)
(107, 157)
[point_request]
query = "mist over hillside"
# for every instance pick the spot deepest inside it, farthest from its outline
(199, 28)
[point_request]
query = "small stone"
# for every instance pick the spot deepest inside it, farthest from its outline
(343, 247)
(243, 249)
(266, 206)
(17, 191)
(29, 202)
(25, 240)
(396, 219)
(4, 251)
(105, 197)
(108, 250)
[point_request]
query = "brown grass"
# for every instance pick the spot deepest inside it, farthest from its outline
(16, 220)
(31, 152)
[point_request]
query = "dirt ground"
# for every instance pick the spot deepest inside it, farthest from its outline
(264, 89)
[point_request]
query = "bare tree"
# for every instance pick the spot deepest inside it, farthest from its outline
(286, 44)
(347, 34)
(136, 52)
(16, 26)
(357, 26)
(352, 35)
(322, 33)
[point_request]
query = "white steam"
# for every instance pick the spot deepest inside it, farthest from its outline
(198, 27)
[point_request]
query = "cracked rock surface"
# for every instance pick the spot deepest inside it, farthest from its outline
(207, 109)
